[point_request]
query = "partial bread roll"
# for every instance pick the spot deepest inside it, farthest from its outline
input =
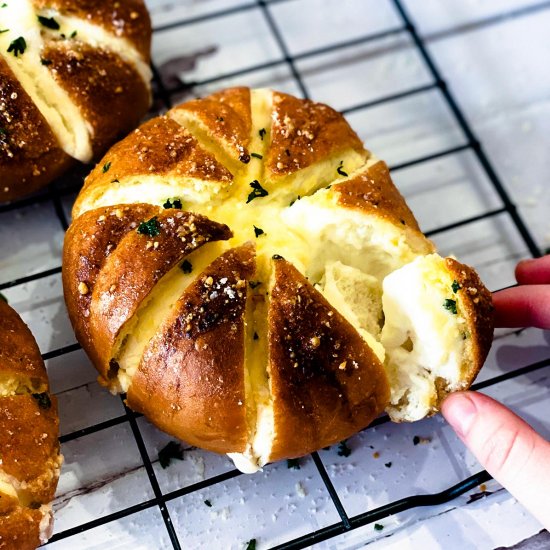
(74, 78)
(248, 274)
(29, 447)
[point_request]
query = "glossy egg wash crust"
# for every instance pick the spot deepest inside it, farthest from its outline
(247, 273)
(29, 448)
(74, 78)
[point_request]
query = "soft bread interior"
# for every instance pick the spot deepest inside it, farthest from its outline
(424, 336)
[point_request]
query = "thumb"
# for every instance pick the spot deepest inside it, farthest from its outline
(511, 451)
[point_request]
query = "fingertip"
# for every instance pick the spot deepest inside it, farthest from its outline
(460, 410)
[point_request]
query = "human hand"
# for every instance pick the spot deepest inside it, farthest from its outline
(511, 451)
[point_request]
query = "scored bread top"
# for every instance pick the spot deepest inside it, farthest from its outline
(83, 69)
(29, 446)
(301, 364)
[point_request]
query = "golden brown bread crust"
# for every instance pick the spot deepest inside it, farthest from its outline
(372, 191)
(20, 529)
(30, 155)
(19, 353)
(327, 384)
(190, 381)
(127, 19)
(476, 305)
(110, 92)
(103, 291)
(304, 132)
(102, 85)
(29, 446)
(228, 117)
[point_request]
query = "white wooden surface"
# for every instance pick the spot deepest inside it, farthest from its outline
(497, 68)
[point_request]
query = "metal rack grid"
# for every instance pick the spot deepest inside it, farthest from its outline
(56, 192)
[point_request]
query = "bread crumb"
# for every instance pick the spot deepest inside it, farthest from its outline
(342, 366)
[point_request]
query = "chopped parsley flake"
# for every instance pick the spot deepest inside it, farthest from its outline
(106, 167)
(17, 46)
(277, 257)
(450, 305)
(3, 31)
(45, 62)
(343, 449)
(44, 401)
(257, 191)
(256, 155)
(251, 544)
(3, 131)
(4, 5)
(186, 266)
(254, 284)
(73, 34)
(378, 527)
(256, 337)
(340, 169)
(151, 227)
(208, 503)
(296, 199)
(455, 286)
(173, 203)
(172, 451)
(48, 22)
(3, 298)
(262, 133)
(293, 463)
(258, 231)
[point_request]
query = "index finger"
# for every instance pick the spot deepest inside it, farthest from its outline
(523, 306)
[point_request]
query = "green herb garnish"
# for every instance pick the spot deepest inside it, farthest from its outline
(254, 284)
(378, 527)
(277, 257)
(256, 337)
(45, 62)
(293, 463)
(172, 451)
(3, 131)
(186, 266)
(262, 133)
(450, 305)
(340, 169)
(17, 46)
(343, 449)
(455, 286)
(106, 167)
(48, 22)
(4, 5)
(258, 231)
(256, 155)
(208, 503)
(151, 227)
(3, 31)
(257, 191)
(296, 199)
(173, 203)
(73, 34)
(44, 401)
(3, 298)
(251, 544)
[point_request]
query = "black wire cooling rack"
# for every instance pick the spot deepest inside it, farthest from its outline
(163, 95)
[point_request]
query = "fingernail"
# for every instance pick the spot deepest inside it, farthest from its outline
(460, 411)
